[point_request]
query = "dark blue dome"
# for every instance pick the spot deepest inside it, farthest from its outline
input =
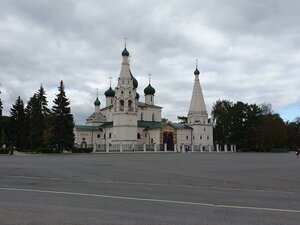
(97, 102)
(109, 93)
(125, 52)
(135, 82)
(149, 90)
(196, 72)
(137, 96)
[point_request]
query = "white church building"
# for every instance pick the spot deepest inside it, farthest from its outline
(128, 124)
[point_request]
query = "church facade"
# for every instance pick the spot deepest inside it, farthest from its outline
(128, 124)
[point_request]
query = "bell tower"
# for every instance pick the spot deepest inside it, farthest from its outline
(125, 106)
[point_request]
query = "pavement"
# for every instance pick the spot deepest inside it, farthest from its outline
(192, 188)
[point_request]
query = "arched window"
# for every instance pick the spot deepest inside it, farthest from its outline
(153, 116)
(151, 99)
(98, 135)
(121, 105)
(138, 136)
(130, 108)
(109, 136)
(142, 116)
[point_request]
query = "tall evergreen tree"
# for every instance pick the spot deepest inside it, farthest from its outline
(63, 123)
(41, 94)
(1, 126)
(38, 120)
(18, 124)
(1, 107)
(35, 122)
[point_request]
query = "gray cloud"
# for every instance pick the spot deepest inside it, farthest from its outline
(247, 50)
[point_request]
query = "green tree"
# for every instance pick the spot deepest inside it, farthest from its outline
(221, 113)
(1, 125)
(35, 122)
(63, 123)
(38, 120)
(274, 132)
(17, 118)
(182, 119)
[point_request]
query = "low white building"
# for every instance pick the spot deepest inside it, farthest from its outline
(128, 124)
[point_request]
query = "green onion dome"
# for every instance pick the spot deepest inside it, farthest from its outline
(97, 102)
(125, 52)
(149, 90)
(196, 72)
(109, 93)
(137, 96)
(135, 82)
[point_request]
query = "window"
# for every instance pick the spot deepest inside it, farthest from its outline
(130, 108)
(83, 139)
(207, 137)
(153, 115)
(200, 137)
(142, 116)
(145, 134)
(121, 105)
(98, 135)
(138, 136)
(109, 135)
(130, 92)
(122, 92)
(151, 140)
(204, 129)
(104, 136)
(151, 99)
(187, 137)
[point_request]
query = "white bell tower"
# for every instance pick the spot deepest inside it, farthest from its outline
(197, 115)
(125, 106)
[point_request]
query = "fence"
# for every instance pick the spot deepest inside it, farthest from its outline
(163, 148)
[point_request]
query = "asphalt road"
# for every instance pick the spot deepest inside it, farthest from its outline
(161, 188)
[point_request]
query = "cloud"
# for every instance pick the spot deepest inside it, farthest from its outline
(247, 50)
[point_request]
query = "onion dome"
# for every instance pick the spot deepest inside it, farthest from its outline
(149, 90)
(137, 96)
(135, 82)
(109, 93)
(125, 52)
(97, 102)
(196, 72)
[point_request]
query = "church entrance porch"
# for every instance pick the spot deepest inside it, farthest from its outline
(168, 139)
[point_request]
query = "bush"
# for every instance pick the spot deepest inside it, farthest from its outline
(82, 150)
(4, 151)
(46, 150)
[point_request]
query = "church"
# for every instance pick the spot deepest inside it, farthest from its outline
(127, 123)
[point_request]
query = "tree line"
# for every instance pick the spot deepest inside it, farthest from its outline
(35, 126)
(253, 127)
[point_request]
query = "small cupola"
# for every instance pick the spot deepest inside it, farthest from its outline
(149, 90)
(125, 52)
(109, 93)
(97, 102)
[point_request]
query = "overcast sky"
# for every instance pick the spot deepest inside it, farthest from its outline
(247, 50)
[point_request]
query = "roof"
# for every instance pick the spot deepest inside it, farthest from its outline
(180, 126)
(86, 127)
(158, 125)
(151, 124)
(107, 124)
(142, 104)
